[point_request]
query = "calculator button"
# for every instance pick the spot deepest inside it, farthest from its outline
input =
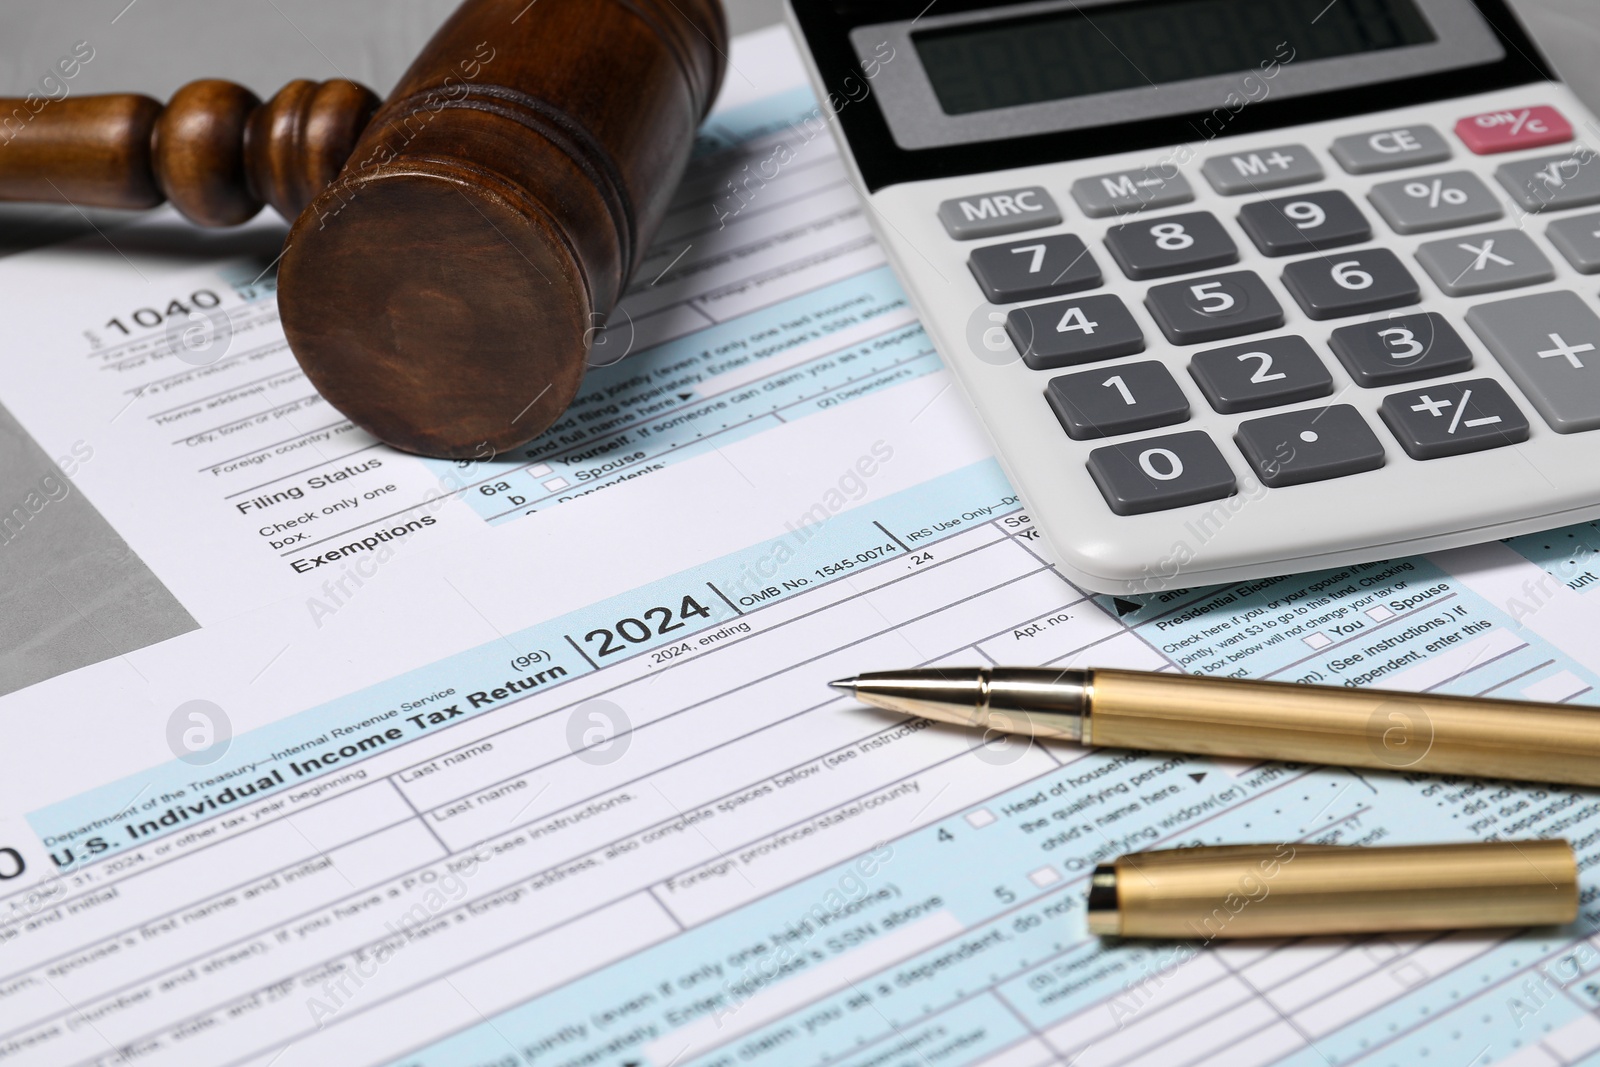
(1402, 146)
(1210, 309)
(1436, 202)
(1065, 333)
(1269, 168)
(1579, 240)
(1403, 348)
(1177, 244)
(1550, 183)
(1550, 345)
(1308, 222)
(1126, 398)
(1484, 262)
(1309, 445)
(994, 214)
(1260, 374)
(1350, 283)
(1161, 472)
(1454, 417)
(1033, 269)
(1507, 131)
(1131, 190)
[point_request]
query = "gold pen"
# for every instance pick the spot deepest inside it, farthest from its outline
(1228, 717)
(1298, 890)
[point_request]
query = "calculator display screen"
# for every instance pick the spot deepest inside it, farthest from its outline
(1103, 48)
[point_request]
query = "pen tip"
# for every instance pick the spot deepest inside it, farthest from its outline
(847, 684)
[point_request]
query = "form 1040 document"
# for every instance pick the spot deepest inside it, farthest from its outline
(558, 781)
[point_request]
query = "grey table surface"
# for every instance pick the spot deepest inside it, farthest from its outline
(72, 591)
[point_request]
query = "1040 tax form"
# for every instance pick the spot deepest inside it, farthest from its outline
(553, 777)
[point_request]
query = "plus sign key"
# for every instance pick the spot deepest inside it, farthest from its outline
(1550, 345)
(1453, 418)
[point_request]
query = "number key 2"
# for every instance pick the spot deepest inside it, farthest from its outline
(1260, 374)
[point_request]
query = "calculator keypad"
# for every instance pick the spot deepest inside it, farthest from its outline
(1262, 170)
(1309, 445)
(1260, 374)
(1484, 262)
(1550, 183)
(1309, 222)
(1034, 268)
(1435, 202)
(1391, 149)
(1402, 348)
(1125, 398)
(1157, 473)
(1064, 333)
(1174, 244)
(1350, 283)
(1212, 308)
(1550, 345)
(1547, 343)
(1454, 418)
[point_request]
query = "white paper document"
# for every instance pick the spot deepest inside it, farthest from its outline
(551, 776)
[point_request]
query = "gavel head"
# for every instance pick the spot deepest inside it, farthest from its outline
(445, 290)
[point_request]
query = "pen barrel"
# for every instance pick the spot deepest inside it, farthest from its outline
(1374, 728)
(1289, 890)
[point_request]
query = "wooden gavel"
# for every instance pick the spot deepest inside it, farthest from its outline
(456, 247)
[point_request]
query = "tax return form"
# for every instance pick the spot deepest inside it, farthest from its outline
(530, 761)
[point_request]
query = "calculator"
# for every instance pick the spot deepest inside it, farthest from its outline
(1239, 288)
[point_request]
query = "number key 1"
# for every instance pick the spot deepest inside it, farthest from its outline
(1113, 400)
(1309, 222)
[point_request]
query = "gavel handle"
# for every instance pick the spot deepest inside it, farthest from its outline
(215, 150)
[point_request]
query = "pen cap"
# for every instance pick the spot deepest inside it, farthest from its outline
(1284, 890)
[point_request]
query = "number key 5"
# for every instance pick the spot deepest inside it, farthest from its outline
(1210, 309)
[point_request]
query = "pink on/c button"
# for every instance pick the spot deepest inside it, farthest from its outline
(1506, 131)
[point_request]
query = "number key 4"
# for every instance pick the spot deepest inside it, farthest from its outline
(1064, 333)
